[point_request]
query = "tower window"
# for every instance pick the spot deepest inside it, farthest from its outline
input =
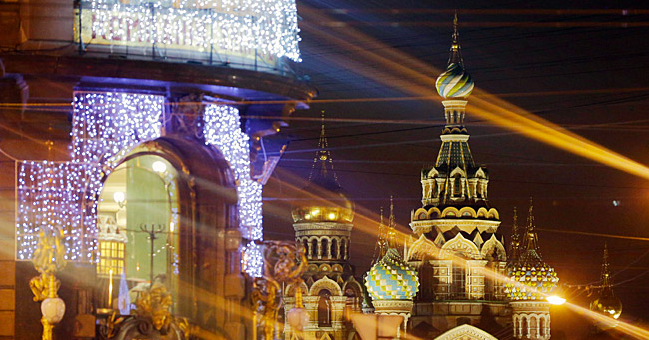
(457, 187)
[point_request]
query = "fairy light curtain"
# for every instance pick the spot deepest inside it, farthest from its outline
(106, 126)
(245, 28)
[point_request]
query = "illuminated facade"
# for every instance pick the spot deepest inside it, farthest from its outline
(136, 128)
(323, 217)
(456, 246)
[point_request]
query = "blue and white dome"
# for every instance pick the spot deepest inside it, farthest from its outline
(392, 279)
(455, 83)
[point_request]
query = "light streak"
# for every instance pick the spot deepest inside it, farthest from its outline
(395, 64)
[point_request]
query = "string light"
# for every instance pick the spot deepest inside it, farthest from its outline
(244, 28)
(222, 128)
(105, 127)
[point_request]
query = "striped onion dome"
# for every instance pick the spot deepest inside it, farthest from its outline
(529, 281)
(455, 83)
(392, 279)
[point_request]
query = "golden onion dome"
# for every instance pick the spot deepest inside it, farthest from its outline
(323, 200)
(607, 304)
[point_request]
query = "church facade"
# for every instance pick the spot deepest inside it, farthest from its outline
(455, 277)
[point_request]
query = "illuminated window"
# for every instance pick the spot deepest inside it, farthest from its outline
(111, 257)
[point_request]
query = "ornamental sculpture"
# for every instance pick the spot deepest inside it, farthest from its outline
(49, 258)
(284, 263)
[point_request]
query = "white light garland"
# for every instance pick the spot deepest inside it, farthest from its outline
(105, 127)
(49, 195)
(237, 27)
(222, 128)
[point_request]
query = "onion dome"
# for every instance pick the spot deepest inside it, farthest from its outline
(455, 83)
(323, 199)
(608, 305)
(392, 278)
(530, 278)
(606, 302)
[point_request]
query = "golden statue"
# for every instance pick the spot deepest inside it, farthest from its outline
(154, 304)
(49, 258)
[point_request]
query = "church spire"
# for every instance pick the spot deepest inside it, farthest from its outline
(392, 233)
(606, 273)
(515, 246)
(530, 253)
(381, 246)
(455, 56)
(323, 165)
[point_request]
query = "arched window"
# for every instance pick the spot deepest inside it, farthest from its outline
(314, 249)
(324, 309)
(533, 326)
(524, 329)
(334, 248)
(343, 249)
(306, 247)
(324, 249)
(542, 326)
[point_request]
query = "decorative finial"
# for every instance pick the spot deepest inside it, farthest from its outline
(455, 45)
(606, 274)
(515, 248)
(456, 55)
(382, 241)
(531, 249)
(392, 232)
(530, 216)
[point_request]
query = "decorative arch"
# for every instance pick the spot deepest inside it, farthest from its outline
(491, 244)
(450, 211)
(458, 171)
(433, 173)
(351, 283)
(421, 214)
(461, 245)
(421, 248)
(480, 173)
(467, 210)
(434, 213)
(325, 283)
(493, 214)
(482, 212)
(290, 289)
(466, 332)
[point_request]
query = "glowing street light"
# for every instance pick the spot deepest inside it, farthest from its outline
(555, 300)
(159, 167)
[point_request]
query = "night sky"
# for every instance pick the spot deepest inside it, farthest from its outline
(587, 71)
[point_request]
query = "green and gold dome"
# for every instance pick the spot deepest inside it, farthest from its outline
(530, 278)
(530, 281)
(454, 83)
(391, 278)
